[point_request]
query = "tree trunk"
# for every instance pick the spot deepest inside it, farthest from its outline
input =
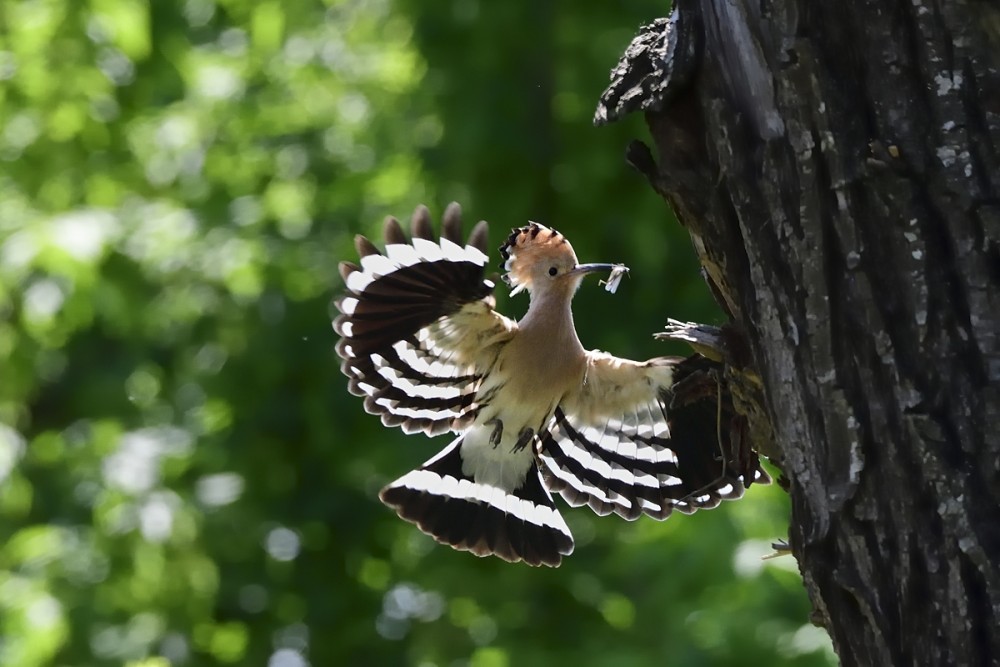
(836, 164)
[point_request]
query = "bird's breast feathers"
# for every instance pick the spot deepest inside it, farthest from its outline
(501, 464)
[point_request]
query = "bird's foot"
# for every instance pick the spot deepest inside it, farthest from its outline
(497, 435)
(523, 438)
(781, 548)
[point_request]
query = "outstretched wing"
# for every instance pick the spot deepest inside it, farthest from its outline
(417, 324)
(647, 438)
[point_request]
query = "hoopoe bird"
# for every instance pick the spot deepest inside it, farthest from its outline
(534, 412)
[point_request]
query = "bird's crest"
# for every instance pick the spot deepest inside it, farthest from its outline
(529, 247)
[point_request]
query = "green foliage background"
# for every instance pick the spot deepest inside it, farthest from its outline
(184, 479)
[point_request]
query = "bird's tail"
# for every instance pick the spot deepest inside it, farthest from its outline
(450, 506)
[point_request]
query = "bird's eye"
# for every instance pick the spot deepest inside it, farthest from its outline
(553, 270)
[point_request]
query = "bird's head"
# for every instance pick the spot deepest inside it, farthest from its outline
(537, 257)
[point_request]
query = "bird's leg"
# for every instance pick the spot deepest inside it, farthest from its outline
(523, 438)
(497, 433)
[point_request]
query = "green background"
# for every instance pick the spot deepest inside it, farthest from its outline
(184, 479)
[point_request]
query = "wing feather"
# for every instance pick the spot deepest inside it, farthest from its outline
(417, 325)
(625, 444)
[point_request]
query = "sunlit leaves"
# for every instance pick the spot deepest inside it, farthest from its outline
(32, 621)
(126, 23)
(227, 642)
(267, 27)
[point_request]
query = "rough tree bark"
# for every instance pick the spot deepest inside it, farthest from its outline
(836, 164)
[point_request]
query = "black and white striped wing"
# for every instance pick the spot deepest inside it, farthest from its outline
(620, 446)
(417, 324)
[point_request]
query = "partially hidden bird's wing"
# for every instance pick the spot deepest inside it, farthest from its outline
(417, 325)
(647, 438)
